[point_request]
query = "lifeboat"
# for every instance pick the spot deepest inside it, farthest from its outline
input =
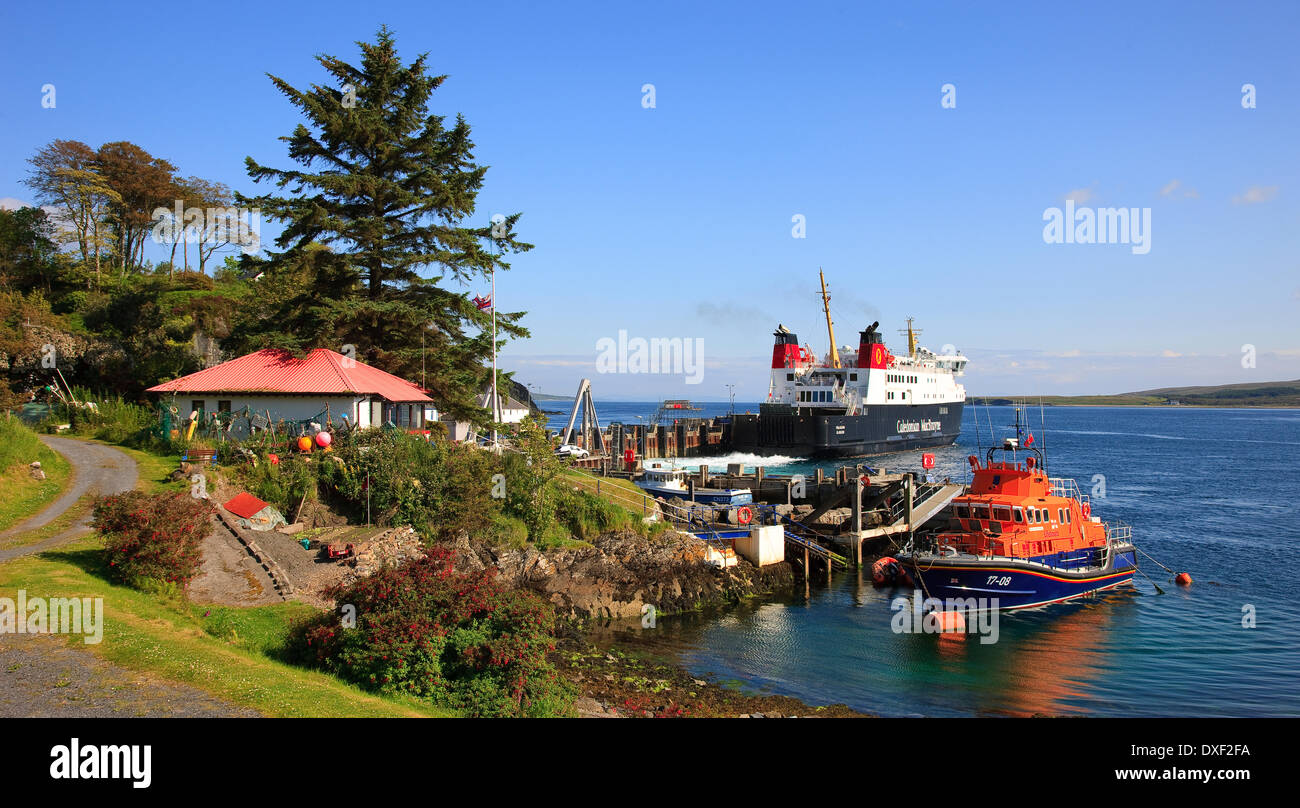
(1019, 539)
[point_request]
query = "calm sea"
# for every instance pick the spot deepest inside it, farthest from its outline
(1210, 492)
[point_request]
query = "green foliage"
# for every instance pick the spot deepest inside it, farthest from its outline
(389, 217)
(18, 444)
(530, 494)
(453, 637)
(586, 515)
(438, 487)
(152, 540)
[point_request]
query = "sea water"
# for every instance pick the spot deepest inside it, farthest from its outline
(1212, 492)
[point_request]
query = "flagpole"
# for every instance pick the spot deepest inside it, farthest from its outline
(496, 403)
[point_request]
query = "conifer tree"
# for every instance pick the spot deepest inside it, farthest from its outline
(390, 190)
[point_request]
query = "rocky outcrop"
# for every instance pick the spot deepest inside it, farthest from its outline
(621, 573)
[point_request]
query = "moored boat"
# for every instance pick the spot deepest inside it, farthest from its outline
(1022, 538)
(662, 480)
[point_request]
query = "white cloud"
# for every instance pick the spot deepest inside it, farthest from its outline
(1080, 196)
(1256, 194)
(11, 203)
(1176, 190)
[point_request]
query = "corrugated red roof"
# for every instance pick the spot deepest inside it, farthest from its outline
(322, 372)
(245, 505)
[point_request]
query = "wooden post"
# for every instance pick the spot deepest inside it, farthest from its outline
(758, 477)
(857, 520)
(907, 492)
(690, 484)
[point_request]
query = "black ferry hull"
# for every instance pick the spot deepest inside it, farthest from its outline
(877, 430)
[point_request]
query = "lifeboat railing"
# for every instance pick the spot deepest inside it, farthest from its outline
(1066, 487)
(1118, 531)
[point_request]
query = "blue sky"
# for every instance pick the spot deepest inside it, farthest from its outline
(676, 221)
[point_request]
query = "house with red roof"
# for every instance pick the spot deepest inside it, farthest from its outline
(323, 384)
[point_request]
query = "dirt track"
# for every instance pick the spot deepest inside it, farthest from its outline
(95, 468)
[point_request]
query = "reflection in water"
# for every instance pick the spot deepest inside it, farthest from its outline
(1130, 652)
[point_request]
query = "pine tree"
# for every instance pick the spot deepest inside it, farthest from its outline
(388, 188)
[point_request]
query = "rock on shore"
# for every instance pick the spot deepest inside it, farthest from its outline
(621, 572)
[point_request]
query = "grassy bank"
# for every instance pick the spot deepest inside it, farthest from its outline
(231, 653)
(24, 496)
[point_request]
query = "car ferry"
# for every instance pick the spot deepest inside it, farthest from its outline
(1023, 539)
(662, 480)
(852, 403)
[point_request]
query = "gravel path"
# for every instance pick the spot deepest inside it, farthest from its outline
(44, 677)
(101, 469)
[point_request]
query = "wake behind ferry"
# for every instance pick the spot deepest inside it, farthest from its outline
(852, 403)
(1024, 539)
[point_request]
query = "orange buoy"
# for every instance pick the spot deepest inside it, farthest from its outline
(887, 570)
(1183, 579)
(1087, 510)
(304, 444)
(744, 515)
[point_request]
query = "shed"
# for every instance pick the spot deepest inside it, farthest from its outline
(253, 513)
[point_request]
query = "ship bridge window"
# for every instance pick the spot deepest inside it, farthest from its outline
(1060, 514)
(980, 512)
(1002, 514)
(961, 511)
(1019, 514)
(1068, 518)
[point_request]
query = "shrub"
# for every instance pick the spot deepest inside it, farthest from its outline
(152, 539)
(438, 487)
(460, 639)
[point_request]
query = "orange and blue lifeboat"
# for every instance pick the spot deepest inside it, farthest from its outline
(1018, 539)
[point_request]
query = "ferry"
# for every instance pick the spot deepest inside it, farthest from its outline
(1021, 538)
(851, 403)
(662, 480)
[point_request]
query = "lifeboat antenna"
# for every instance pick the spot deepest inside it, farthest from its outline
(830, 327)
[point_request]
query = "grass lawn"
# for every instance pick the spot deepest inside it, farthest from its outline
(229, 653)
(24, 496)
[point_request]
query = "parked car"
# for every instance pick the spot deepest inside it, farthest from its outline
(569, 450)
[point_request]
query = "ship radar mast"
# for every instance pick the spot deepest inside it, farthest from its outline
(830, 327)
(912, 334)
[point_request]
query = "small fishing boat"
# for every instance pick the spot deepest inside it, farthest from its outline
(662, 480)
(1022, 539)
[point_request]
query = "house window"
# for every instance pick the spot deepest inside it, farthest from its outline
(789, 377)
(223, 406)
(853, 377)
(197, 406)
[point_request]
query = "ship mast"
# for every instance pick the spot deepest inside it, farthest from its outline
(830, 327)
(911, 337)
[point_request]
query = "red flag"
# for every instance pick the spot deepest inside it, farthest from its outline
(1030, 441)
(484, 303)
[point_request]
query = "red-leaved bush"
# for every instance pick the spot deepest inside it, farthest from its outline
(458, 638)
(154, 537)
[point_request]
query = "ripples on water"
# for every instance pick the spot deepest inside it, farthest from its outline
(1210, 492)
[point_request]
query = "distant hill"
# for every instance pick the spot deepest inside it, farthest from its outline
(1253, 394)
